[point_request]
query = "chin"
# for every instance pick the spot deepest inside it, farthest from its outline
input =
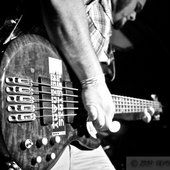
(119, 24)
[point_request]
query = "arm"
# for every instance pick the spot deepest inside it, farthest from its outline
(67, 27)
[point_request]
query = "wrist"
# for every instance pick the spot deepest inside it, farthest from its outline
(93, 81)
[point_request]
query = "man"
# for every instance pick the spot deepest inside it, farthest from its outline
(81, 30)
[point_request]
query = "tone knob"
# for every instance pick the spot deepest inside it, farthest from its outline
(27, 144)
(51, 156)
(36, 160)
(42, 142)
(55, 139)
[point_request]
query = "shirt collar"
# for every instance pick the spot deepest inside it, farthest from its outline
(107, 6)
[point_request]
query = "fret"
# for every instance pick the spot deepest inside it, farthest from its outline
(124, 104)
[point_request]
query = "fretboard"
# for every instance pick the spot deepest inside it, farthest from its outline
(125, 104)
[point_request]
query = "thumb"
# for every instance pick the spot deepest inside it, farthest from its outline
(92, 113)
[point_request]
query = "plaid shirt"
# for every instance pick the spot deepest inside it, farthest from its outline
(100, 21)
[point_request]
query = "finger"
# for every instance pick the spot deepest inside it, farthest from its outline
(96, 115)
(147, 117)
(91, 129)
(151, 111)
(156, 117)
(100, 119)
(99, 122)
(92, 113)
(109, 123)
(109, 118)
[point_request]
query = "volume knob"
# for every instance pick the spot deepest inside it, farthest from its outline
(51, 156)
(27, 144)
(42, 142)
(55, 139)
(36, 160)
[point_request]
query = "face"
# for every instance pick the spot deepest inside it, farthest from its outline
(126, 10)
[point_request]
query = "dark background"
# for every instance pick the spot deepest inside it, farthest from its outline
(140, 71)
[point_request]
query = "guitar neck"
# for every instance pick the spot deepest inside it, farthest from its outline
(130, 108)
(125, 104)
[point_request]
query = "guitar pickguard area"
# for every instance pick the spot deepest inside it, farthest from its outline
(55, 70)
(35, 126)
(20, 98)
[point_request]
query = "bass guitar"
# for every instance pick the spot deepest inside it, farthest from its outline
(40, 105)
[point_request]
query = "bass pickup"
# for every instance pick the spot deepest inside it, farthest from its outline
(19, 90)
(21, 108)
(26, 117)
(18, 81)
(20, 99)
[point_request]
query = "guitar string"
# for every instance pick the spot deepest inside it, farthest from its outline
(64, 101)
(118, 103)
(114, 96)
(63, 115)
(119, 98)
(120, 110)
(50, 108)
(30, 82)
(120, 106)
(75, 89)
(126, 103)
(55, 87)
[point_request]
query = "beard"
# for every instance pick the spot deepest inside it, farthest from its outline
(119, 24)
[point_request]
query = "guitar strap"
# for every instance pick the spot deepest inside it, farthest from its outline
(9, 31)
(109, 68)
(15, 31)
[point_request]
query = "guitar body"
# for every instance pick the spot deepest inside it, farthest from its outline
(34, 128)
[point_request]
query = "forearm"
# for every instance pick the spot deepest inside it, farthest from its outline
(67, 27)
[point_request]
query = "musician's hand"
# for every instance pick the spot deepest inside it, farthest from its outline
(148, 113)
(99, 104)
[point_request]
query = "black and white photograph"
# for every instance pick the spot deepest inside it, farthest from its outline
(84, 85)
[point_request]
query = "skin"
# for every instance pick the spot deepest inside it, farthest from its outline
(67, 27)
(128, 13)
